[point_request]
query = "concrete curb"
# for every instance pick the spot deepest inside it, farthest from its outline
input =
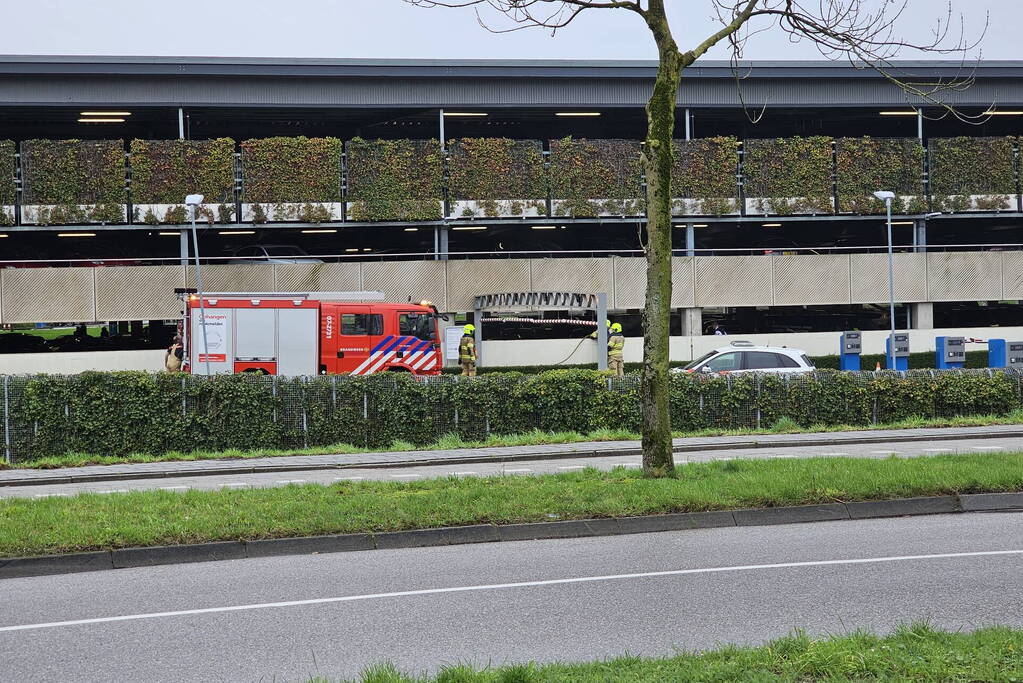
(19, 567)
(67, 476)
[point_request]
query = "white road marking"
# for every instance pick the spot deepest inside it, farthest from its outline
(236, 484)
(782, 456)
(404, 476)
(503, 586)
(571, 467)
(626, 464)
(463, 474)
(348, 478)
(834, 454)
(173, 488)
(290, 481)
(114, 491)
(518, 470)
(885, 452)
(723, 459)
(988, 448)
(51, 495)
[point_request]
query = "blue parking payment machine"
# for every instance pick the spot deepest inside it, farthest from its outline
(850, 350)
(950, 352)
(897, 350)
(1003, 354)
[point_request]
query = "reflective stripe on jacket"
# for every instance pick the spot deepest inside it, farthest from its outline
(616, 346)
(467, 349)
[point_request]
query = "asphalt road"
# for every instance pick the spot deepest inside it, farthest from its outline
(577, 599)
(527, 467)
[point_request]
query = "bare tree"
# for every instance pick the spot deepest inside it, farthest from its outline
(860, 31)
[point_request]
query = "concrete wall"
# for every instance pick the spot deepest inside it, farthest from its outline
(535, 352)
(80, 361)
(550, 351)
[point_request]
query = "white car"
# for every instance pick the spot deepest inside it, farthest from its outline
(272, 253)
(745, 357)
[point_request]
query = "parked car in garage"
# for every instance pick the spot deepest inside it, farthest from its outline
(272, 253)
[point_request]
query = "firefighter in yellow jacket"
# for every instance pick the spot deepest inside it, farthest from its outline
(467, 351)
(616, 351)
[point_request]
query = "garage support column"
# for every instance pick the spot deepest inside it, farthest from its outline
(184, 247)
(920, 236)
(181, 123)
(922, 316)
(690, 240)
(692, 322)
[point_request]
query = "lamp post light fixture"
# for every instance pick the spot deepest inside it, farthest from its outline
(192, 201)
(887, 196)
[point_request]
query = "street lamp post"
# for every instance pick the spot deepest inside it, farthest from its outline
(887, 196)
(193, 201)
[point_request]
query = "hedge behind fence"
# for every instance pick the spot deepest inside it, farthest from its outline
(963, 166)
(864, 165)
(705, 171)
(132, 412)
(594, 177)
(789, 175)
(399, 180)
(70, 173)
(491, 169)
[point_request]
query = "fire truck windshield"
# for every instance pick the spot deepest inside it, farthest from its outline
(418, 325)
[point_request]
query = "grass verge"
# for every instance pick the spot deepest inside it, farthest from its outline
(533, 438)
(147, 518)
(911, 653)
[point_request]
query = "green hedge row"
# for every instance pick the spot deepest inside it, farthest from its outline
(8, 190)
(132, 412)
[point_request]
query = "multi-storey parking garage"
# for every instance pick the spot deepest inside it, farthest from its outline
(445, 180)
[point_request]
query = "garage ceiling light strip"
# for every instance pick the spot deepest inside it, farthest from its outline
(541, 321)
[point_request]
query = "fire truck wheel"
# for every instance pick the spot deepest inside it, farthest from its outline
(255, 371)
(398, 370)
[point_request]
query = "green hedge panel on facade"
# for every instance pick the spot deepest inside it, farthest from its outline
(397, 180)
(592, 178)
(704, 178)
(864, 165)
(496, 177)
(132, 412)
(8, 190)
(972, 174)
(164, 172)
(787, 176)
(73, 181)
(291, 179)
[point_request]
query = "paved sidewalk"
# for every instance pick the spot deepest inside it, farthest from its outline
(29, 477)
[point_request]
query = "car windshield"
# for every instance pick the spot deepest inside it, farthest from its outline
(699, 360)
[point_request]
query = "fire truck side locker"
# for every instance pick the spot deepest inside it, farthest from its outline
(298, 337)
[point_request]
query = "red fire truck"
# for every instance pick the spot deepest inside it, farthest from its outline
(294, 334)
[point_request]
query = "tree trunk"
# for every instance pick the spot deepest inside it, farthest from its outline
(658, 460)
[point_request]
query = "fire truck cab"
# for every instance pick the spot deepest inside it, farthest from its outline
(311, 333)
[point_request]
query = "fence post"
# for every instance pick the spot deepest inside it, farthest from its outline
(756, 398)
(184, 412)
(7, 419)
(305, 418)
(273, 392)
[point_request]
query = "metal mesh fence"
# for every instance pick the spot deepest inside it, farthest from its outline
(123, 413)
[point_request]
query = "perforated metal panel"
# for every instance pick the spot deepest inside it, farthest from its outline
(733, 281)
(234, 278)
(811, 279)
(964, 276)
(138, 292)
(869, 277)
(571, 275)
(403, 279)
(630, 282)
(467, 279)
(1012, 275)
(48, 295)
(318, 277)
(683, 280)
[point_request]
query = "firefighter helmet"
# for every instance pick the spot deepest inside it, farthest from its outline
(469, 329)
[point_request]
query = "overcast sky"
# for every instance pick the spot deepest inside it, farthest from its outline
(395, 29)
